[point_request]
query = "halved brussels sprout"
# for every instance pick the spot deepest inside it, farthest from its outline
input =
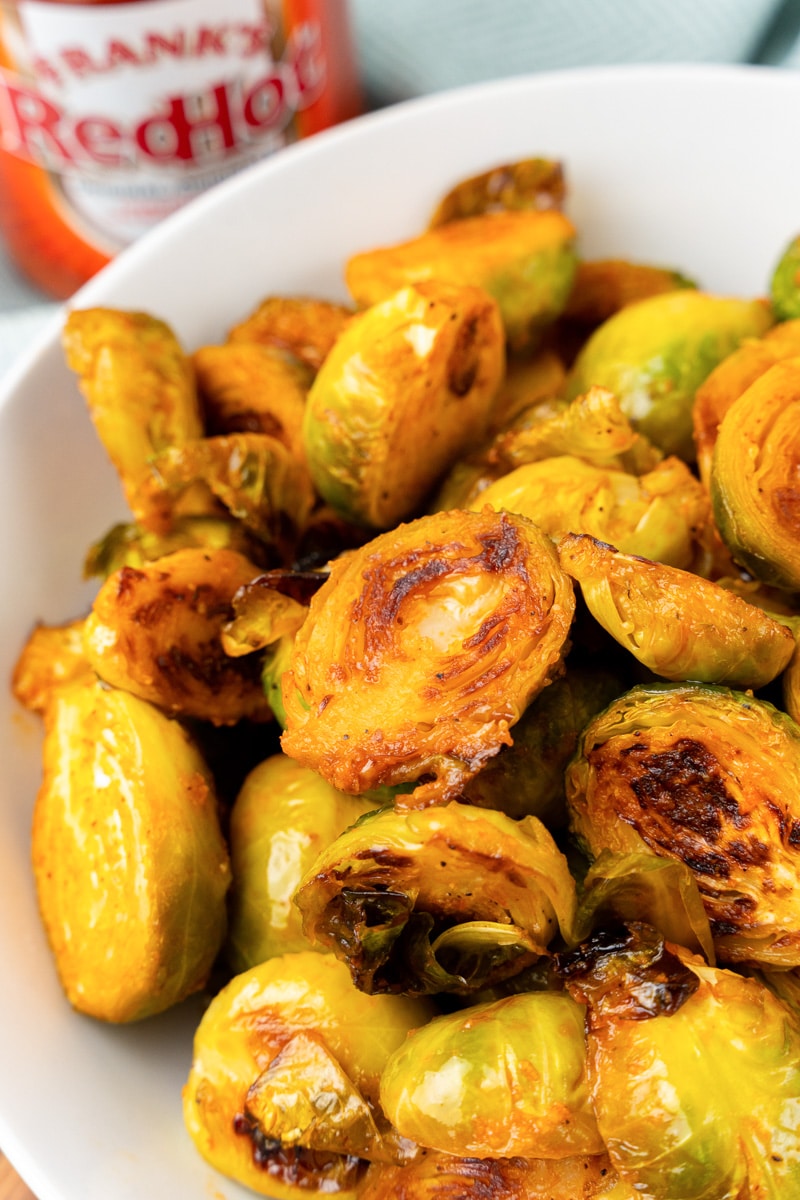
(283, 1090)
(52, 657)
(673, 622)
(603, 286)
(446, 1177)
(657, 515)
(305, 326)
(282, 819)
(785, 283)
(528, 184)
(405, 390)
(422, 649)
(156, 631)
(791, 676)
(131, 868)
(133, 546)
(140, 389)
(695, 1071)
(655, 354)
(527, 779)
(447, 899)
(710, 777)
(525, 260)
(252, 475)
(754, 476)
(247, 388)
(496, 1080)
(732, 377)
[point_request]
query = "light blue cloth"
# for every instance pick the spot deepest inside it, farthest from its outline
(411, 47)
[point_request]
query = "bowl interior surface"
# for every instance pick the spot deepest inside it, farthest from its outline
(685, 167)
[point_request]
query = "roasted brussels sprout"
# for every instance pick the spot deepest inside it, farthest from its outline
(283, 818)
(676, 624)
(422, 649)
(710, 777)
(527, 185)
(406, 389)
(131, 868)
(791, 676)
(695, 1071)
(283, 1088)
(252, 475)
(497, 1080)
(156, 632)
(127, 545)
(603, 286)
(140, 389)
(527, 779)
(52, 657)
(657, 515)
(732, 377)
(447, 899)
(247, 388)
(785, 283)
(655, 354)
(525, 260)
(445, 1177)
(754, 477)
(304, 326)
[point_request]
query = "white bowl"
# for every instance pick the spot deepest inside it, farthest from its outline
(689, 167)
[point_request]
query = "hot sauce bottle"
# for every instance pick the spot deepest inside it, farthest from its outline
(114, 113)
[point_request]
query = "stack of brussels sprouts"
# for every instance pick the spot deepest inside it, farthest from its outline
(437, 715)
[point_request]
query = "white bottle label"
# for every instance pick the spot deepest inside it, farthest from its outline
(137, 107)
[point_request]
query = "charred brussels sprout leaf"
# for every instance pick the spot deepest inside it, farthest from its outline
(496, 1080)
(710, 777)
(284, 1083)
(695, 1071)
(447, 899)
(131, 868)
(141, 394)
(405, 390)
(754, 477)
(282, 819)
(678, 625)
(655, 354)
(422, 649)
(156, 632)
(525, 260)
